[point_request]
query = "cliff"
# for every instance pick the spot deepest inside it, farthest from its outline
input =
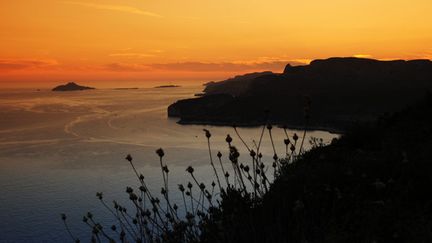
(343, 91)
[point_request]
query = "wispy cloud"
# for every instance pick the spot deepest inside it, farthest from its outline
(131, 55)
(20, 64)
(216, 67)
(120, 8)
(239, 67)
(125, 67)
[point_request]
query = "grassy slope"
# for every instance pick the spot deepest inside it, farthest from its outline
(374, 184)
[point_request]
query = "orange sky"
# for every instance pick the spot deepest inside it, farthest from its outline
(134, 42)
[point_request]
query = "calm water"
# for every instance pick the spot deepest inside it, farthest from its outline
(58, 149)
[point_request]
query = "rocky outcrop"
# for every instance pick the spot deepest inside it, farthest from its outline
(71, 87)
(343, 91)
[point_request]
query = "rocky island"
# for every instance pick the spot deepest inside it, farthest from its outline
(167, 86)
(343, 91)
(71, 86)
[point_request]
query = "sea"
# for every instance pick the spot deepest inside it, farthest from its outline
(58, 149)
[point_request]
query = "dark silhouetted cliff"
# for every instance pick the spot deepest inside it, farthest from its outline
(343, 91)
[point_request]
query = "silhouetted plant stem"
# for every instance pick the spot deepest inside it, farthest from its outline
(163, 173)
(254, 174)
(68, 229)
(302, 141)
(223, 170)
(260, 140)
(211, 160)
(184, 201)
(241, 139)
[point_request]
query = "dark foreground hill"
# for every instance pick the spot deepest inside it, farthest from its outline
(372, 185)
(70, 87)
(342, 90)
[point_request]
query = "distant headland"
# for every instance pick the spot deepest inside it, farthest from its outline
(343, 91)
(71, 86)
(167, 86)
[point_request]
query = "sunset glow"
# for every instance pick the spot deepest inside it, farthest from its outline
(134, 42)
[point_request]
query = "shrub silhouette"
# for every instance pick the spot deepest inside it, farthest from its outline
(371, 185)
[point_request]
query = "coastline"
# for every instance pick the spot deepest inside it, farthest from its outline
(331, 129)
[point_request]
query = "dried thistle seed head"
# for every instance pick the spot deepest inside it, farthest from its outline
(269, 126)
(113, 228)
(287, 141)
(129, 189)
(181, 187)
(89, 215)
(213, 184)
(189, 216)
(295, 137)
(227, 174)
(292, 148)
(207, 133)
(160, 152)
(175, 207)
(141, 177)
(143, 189)
(84, 219)
(275, 157)
(133, 197)
(246, 168)
(95, 230)
(63, 216)
(260, 155)
(189, 185)
(234, 154)
(129, 158)
(228, 139)
(99, 195)
(252, 153)
(241, 166)
(274, 165)
(190, 169)
(202, 186)
(187, 193)
(165, 169)
(219, 154)
(163, 191)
